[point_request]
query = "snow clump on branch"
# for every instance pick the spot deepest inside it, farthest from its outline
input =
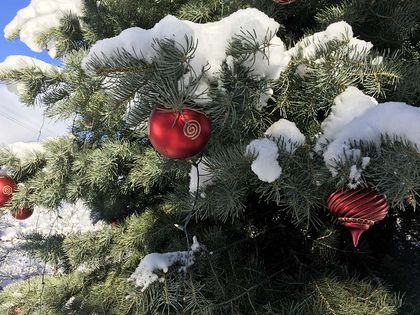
(145, 274)
(357, 117)
(266, 165)
(339, 31)
(23, 63)
(288, 132)
(349, 105)
(26, 151)
(38, 18)
(213, 40)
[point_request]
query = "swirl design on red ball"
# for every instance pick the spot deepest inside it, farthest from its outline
(192, 129)
(7, 190)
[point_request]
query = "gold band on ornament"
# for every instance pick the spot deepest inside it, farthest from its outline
(357, 220)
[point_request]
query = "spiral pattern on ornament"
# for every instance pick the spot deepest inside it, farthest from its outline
(192, 129)
(7, 190)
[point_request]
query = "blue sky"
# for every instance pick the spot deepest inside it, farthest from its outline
(17, 122)
(8, 9)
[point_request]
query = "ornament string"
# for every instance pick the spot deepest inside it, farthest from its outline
(193, 209)
(40, 128)
(189, 216)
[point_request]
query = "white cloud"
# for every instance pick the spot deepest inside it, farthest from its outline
(19, 123)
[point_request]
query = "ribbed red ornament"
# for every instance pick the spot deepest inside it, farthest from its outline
(357, 209)
(7, 187)
(178, 134)
(22, 213)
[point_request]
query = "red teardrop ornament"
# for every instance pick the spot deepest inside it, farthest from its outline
(7, 187)
(22, 213)
(178, 135)
(357, 209)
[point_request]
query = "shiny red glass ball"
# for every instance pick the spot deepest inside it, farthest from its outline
(7, 187)
(178, 135)
(23, 213)
(357, 209)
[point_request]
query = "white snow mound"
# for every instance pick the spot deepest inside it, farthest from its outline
(39, 17)
(288, 131)
(397, 120)
(26, 151)
(145, 275)
(20, 63)
(212, 38)
(339, 31)
(265, 166)
(349, 105)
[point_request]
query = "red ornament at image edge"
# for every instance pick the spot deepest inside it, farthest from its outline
(178, 134)
(7, 187)
(23, 213)
(357, 209)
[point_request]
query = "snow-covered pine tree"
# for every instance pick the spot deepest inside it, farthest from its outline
(298, 99)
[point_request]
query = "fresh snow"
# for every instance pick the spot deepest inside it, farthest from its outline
(145, 275)
(15, 265)
(265, 166)
(26, 151)
(339, 31)
(347, 106)
(355, 176)
(286, 130)
(365, 161)
(21, 63)
(355, 117)
(38, 18)
(213, 39)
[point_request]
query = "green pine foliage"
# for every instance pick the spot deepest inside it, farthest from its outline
(270, 248)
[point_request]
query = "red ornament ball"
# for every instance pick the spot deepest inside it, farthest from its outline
(7, 187)
(357, 209)
(22, 213)
(178, 134)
